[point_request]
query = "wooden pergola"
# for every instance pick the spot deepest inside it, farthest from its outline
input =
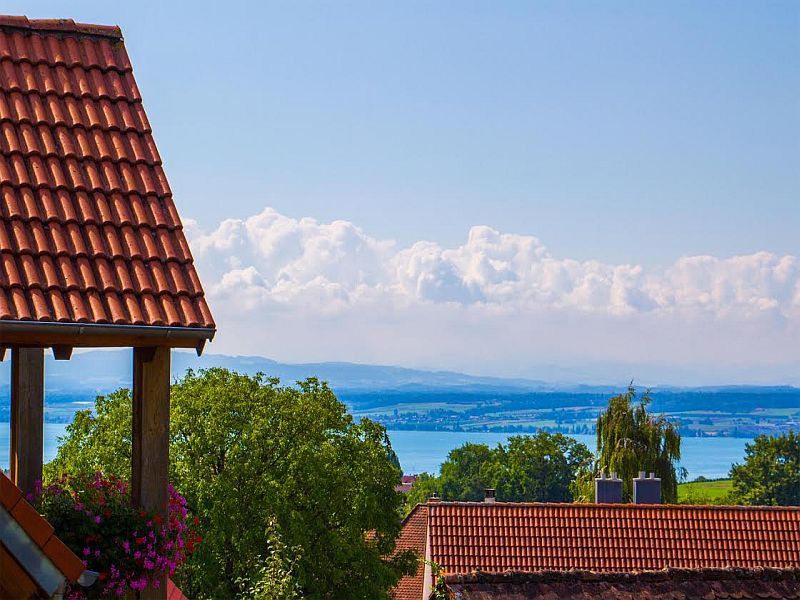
(92, 250)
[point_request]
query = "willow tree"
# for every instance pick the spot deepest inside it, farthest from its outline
(631, 439)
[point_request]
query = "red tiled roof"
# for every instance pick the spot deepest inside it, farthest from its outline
(467, 537)
(174, 592)
(412, 537)
(706, 584)
(39, 530)
(89, 232)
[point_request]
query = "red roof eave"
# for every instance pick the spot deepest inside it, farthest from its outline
(39, 530)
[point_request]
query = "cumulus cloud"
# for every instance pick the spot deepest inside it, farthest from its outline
(271, 258)
(365, 289)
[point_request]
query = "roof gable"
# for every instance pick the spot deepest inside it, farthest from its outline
(89, 232)
(412, 537)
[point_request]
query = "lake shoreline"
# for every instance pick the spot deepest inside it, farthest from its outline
(420, 450)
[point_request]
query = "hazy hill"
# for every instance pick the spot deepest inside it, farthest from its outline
(102, 371)
(368, 387)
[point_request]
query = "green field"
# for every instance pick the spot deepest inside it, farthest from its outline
(704, 492)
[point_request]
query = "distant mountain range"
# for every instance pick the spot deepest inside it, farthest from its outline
(99, 371)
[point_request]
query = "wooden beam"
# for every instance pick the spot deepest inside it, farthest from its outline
(150, 468)
(62, 352)
(27, 416)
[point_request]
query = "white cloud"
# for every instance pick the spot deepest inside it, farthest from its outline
(369, 295)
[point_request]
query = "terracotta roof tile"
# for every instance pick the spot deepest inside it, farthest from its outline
(88, 229)
(467, 537)
(412, 537)
(500, 537)
(174, 592)
(39, 530)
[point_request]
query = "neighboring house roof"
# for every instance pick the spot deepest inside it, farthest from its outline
(31, 554)
(708, 584)
(406, 483)
(412, 537)
(89, 232)
(498, 537)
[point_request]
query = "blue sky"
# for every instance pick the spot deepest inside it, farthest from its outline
(616, 135)
(622, 131)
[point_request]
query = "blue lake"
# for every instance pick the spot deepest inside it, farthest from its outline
(426, 450)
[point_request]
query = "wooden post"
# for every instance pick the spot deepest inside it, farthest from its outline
(150, 473)
(27, 417)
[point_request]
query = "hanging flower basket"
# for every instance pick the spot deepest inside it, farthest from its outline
(129, 548)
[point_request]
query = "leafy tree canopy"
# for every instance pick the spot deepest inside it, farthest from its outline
(538, 468)
(631, 439)
(770, 474)
(257, 461)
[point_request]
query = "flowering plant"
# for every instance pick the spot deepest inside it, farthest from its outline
(128, 547)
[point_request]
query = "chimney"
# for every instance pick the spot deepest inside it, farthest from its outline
(607, 490)
(489, 496)
(646, 490)
(434, 498)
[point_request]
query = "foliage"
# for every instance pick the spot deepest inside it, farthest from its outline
(99, 441)
(247, 453)
(631, 439)
(129, 548)
(465, 473)
(770, 474)
(536, 468)
(274, 577)
(424, 487)
(440, 587)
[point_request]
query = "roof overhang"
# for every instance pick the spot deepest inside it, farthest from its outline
(45, 334)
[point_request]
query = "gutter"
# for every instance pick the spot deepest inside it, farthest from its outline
(49, 333)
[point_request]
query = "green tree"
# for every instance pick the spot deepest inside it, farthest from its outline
(249, 454)
(464, 476)
(424, 487)
(538, 468)
(631, 439)
(274, 572)
(770, 474)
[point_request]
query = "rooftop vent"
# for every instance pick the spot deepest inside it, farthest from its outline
(489, 496)
(607, 490)
(646, 489)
